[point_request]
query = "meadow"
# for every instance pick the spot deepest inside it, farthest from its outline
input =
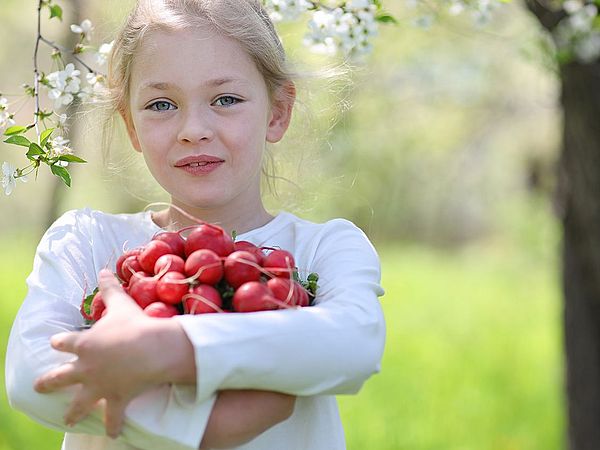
(473, 357)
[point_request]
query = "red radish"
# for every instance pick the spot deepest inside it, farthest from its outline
(97, 306)
(170, 287)
(250, 247)
(159, 309)
(136, 276)
(151, 252)
(130, 265)
(174, 240)
(205, 265)
(202, 299)
(280, 263)
(288, 291)
(121, 259)
(169, 262)
(143, 291)
(209, 237)
(240, 267)
(253, 296)
(303, 298)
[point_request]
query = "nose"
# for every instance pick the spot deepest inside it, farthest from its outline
(196, 127)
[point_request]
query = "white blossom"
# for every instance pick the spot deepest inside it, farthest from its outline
(6, 118)
(572, 6)
(348, 31)
(85, 28)
(102, 55)
(95, 89)
(280, 10)
(64, 85)
(60, 146)
(9, 177)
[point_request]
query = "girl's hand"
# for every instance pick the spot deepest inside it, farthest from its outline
(123, 354)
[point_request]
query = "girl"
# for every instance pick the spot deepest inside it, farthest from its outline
(202, 86)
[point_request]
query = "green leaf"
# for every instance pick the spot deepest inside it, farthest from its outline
(233, 235)
(71, 159)
(86, 305)
(56, 11)
(45, 136)
(61, 173)
(18, 140)
(16, 129)
(386, 18)
(34, 150)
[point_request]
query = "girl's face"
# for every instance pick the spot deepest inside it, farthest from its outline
(200, 113)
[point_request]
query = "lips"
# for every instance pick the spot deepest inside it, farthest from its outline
(198, 160)
(199, 165)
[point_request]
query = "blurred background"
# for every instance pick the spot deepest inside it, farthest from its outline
(442, 149)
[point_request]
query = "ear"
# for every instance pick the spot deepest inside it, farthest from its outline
(131, 130)
(281, 112)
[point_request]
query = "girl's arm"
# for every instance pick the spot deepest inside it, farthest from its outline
(240, 416)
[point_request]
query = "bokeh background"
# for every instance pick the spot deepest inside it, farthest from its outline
(442, 147)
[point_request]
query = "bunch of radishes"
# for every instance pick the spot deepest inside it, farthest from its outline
(206, 272)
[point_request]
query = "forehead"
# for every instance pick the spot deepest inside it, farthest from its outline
(191, 57)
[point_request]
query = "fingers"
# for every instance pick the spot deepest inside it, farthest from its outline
(111, 289)
(114, 413)
(82, 404)
(63, 376)
(65, 342)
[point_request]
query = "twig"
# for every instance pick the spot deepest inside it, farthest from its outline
(36, 81)
(62, 49)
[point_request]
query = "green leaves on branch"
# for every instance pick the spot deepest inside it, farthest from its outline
(18, 140)
(16, 129)
(44, 151)
(55, 10)
(386, 18)
(62, 173)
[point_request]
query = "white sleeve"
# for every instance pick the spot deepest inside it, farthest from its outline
(163, 418)
(329, 348)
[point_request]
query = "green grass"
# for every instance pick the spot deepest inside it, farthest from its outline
(473, 357)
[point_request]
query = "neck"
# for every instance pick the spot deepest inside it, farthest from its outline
(239, 220)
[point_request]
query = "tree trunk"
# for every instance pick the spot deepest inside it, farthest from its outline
(580, 192)
(579, 200)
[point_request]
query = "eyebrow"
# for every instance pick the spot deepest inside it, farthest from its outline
(164, 86)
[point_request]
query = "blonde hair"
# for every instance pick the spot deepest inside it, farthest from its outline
(245, 21)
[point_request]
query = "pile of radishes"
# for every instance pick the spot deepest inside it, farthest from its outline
(206, 272)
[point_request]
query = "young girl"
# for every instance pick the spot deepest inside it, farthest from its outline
(202, 86)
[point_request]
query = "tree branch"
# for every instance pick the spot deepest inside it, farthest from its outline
(546, 15)
(36, 79)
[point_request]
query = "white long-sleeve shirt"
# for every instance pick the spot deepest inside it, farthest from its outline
(314, 353)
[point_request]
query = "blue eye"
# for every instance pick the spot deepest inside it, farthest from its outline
(227, 100)
(161, 105)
